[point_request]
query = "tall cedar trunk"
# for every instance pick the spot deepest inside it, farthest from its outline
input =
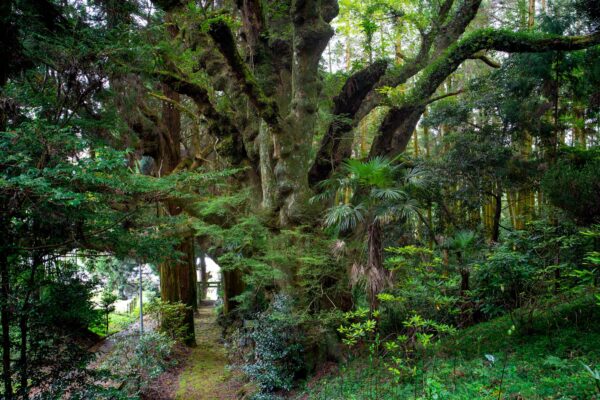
(531, 14)
(203, 276)
(23, 362)
(24, 327)
(233, 285)
(178, 281)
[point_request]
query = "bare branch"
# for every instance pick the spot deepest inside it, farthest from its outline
(443, 96)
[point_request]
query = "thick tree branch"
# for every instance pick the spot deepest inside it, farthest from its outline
(439, 38)
(253, 22)
(223, 38)
(336, 145)
(454, 28)
(220, 124)
(397, 127)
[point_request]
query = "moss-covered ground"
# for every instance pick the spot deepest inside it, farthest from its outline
(204, 374)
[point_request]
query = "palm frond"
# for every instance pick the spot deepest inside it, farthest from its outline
(377, 172)
(389, 213)
(463, 240)
(389, 194)
(345, 216)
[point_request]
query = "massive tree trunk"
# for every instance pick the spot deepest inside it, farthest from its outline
(283, 92)
(311, 33)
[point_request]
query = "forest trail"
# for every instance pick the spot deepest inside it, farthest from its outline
(204, 375)
(103, 348)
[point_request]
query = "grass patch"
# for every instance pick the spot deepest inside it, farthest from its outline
(117, 322)
(543, 361)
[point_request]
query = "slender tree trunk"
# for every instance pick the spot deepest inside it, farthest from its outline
(233, 285)
(24, 389)
(5, 314)
(531, 14)
(464, 281)
(24, 328)
(268, 186)
(416, 142)
(203, 276)
(497, 216)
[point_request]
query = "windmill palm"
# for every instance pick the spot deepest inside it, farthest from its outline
(367, 195)
(463, 244)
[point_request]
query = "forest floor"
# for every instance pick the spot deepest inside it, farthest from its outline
(486, 361)
(202, 373)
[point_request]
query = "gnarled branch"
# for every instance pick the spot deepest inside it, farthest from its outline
(223, 38)
(398, 126)
(336, 146)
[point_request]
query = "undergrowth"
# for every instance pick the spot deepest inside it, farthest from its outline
(491, 360)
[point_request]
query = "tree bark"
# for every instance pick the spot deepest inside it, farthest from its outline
(5, 314)
(233, 285)
(377, 275)
(497, 216)
(203, 276)
(178, 283)
(178, 275)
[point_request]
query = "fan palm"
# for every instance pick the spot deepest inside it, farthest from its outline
(367, 195)
(463, 244)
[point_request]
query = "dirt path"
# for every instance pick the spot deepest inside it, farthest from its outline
(204, 375)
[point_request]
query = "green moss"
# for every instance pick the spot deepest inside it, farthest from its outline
(205, 373)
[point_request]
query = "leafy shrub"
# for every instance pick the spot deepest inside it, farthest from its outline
(139, 359)
(572, 184)
(171, 318)
(67, 302)
(532, 265)
(422, 285)
(275, 359)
